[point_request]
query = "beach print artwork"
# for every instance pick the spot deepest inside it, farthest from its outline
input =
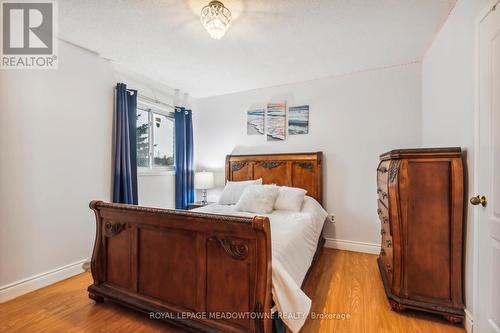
(255, 121)
(298, 119)
(276, 121)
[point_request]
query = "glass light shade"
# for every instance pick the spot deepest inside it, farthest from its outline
(203, 180)
(216, 19)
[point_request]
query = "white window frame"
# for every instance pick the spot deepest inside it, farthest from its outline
(152, 108)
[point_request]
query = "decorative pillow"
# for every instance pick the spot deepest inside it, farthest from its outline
(233, 191)
(258, 199)
(290, 198)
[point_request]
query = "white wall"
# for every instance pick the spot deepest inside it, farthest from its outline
(448, 76)
(156, 189)
(353, 119)
(56, 135)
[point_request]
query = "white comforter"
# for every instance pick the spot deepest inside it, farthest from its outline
(294, 238)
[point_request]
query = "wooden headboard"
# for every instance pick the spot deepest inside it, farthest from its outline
(303, 170)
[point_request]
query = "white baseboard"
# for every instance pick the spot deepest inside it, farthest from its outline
(355, 246)
(469, 321)
(20, 287)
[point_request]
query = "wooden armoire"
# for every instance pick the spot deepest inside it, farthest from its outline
(421, 209)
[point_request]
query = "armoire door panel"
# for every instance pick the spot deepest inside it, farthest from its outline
(429, 226)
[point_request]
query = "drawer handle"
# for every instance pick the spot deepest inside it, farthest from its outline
(384, 194)
(382, 252)
(382, 231)
(384, 219)
(389, 268)
(388, 242)
(382, 169)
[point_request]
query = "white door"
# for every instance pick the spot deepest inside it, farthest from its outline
(488, 312)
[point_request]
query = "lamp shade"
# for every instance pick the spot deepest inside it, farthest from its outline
(203, 180)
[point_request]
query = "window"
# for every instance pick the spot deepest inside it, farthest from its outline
(142, 138)
(155, 138)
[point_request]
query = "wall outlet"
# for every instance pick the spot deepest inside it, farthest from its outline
(331, 218)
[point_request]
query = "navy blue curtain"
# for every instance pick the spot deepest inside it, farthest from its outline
(125, 180)
(184, 173)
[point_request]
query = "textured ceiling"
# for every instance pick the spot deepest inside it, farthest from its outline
(271, 42)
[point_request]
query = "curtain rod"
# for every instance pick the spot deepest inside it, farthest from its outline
(155, 101)
(151, 100)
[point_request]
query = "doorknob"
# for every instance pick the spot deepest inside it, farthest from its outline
(479, 200)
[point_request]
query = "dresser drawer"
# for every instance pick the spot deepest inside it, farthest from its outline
(385, 230)
(387, 242)
(383, 171)
(382, 183)
(385, 223)
(386, 253)
(383, 196)
(383, 213)
(382, 187)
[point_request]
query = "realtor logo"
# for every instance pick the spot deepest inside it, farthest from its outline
(28, 35)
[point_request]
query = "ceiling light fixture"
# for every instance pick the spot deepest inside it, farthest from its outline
(216, 19)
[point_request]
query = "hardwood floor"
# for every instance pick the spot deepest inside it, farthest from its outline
(349, 283)
(345, 285)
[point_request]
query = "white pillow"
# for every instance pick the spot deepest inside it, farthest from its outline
(258, 199)
(290, 198)
(233, 191)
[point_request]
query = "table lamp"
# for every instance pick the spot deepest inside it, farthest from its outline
(204, 180)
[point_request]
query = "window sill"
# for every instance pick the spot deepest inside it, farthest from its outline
(156, 173)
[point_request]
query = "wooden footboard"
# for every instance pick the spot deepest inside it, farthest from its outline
(210, 273)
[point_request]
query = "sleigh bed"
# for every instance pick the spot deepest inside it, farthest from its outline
(194, 268)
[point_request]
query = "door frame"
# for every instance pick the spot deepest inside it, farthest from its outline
(470, 317)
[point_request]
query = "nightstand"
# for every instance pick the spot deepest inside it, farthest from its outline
(197, 204)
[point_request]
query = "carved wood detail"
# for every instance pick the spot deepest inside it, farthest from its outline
(236, 166)
(171, 212)
(270, 164)
(236, 250)
(113, 229)
(305, 165)
(393, 170)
